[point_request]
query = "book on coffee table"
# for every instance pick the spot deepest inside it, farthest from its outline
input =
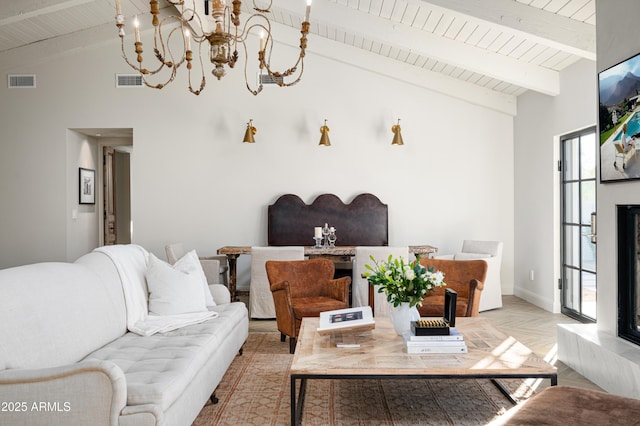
(426, 349)
(349, 319)
(453, 343)
(454, 335)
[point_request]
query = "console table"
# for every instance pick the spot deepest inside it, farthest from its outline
(336, 254)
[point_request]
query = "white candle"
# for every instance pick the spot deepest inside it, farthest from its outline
(308, 12)
(118, 8)
(187, 37)
(317, 232)
(136, 26)
(261, 40)
(332, 229)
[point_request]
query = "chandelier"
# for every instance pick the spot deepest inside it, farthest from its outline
(172, 47)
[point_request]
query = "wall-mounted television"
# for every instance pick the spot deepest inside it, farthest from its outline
(619, 121)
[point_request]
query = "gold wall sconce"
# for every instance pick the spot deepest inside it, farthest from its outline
(248, 135)
(324, 139)
(397, 136)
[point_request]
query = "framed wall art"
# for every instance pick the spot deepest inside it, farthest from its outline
(87, 186)
(619, 121)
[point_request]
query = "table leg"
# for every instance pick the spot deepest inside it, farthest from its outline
(505, 391)
(232, 258)
(296, 408)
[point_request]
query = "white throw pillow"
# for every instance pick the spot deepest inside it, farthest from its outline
(172, 291)
(471, 256)
(190, 264)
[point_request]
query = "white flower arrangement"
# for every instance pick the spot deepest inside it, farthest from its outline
(403, 282)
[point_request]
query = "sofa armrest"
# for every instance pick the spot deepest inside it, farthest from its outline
(221, 258)
(211, 269)
(91, 392)
(220, 293)
(141, 415)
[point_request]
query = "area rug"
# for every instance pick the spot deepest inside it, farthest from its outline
(256, 391)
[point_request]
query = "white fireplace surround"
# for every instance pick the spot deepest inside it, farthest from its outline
(608, 361)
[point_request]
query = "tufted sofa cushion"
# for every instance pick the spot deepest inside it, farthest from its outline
(159, 367)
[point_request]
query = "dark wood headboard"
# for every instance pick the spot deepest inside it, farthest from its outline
(363, 222)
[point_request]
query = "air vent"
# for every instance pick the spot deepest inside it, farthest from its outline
(267, 79)
(128, 80)
(22, 81)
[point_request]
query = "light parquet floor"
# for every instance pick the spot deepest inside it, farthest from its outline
(532, 326)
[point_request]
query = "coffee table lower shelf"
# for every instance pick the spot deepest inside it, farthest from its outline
(297, 397)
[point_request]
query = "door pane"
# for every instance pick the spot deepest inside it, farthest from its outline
(571, 289)
(572, 202)
(587, 200)
(572, 246)
(571, 155)
(589, 294)
(588, 156)
(588, 251)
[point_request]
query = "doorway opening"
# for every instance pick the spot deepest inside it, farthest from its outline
(117, 227)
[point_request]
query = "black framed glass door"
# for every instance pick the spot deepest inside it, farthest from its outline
(578, 214)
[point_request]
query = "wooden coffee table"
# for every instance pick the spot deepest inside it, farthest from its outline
(382, 355)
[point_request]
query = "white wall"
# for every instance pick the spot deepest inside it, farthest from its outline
(81, 219)
(194, 181)
(541, 119)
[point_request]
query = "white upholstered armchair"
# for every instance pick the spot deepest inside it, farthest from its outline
(261, 303)
(360, 286)
(491, 252)
(215, 267)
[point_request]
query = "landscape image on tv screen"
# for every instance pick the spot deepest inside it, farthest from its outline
(619, 121)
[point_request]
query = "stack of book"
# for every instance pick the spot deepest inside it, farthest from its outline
(440, 344)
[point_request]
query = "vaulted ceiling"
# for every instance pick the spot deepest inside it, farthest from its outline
(485, 51)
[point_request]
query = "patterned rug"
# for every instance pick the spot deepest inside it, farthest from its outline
(255, 391)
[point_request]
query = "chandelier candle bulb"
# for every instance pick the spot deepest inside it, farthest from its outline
(187, 37)
(261, 40)
(118, 8)
(136, 26)
(308, 11)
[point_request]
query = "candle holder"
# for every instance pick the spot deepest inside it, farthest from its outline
(318, 242)
(332, 238)
(325, 233)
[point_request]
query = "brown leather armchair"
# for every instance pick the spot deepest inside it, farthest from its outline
(304, 288)
(466, 277)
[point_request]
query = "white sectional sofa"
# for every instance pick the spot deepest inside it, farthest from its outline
(67, 357)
